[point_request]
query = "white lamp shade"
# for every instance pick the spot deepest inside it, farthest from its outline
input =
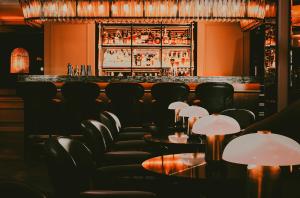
(177, 105)
(216, 125)
(263, 150)
(193, 111)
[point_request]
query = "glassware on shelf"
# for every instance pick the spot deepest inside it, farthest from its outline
(117, 57)
(116, 36)
(146, 58)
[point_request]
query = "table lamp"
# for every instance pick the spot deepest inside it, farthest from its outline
(215, 127)
(193, 113)
(264, 153)
(177, 106)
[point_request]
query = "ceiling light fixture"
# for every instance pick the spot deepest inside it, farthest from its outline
(154, 11)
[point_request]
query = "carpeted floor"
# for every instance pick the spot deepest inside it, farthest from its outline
(13, 167)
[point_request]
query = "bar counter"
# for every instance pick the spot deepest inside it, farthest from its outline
(240, 83)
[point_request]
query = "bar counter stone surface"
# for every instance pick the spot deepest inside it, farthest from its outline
(139, 79)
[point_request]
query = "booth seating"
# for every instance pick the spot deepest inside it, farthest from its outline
(105, 150)
(79, 103)
(125, 102)
(214, 96)
(40, 113)
(74, 174)
(164, 94)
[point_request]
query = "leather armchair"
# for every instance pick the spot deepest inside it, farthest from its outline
(73, 173)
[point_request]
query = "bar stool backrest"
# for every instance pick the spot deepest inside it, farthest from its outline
(215, 96)
(244, 117)
(125, 102)
(79, 91)
(124, 91)
(170, 92)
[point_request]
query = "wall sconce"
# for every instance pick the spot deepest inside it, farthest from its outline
(19, 61)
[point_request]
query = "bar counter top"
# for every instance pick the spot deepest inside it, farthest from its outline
(240, 83)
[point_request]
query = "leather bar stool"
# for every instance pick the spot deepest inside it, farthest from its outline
(244, 117)
(40, 112)
(80, 103)
(215, 96)
(73, 172)
(164, 94)
(100, 141)
(125, 102)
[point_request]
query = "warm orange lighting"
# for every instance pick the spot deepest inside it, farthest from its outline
(19, 61)
(262, 179)
(173, 164)
(295, 15)
(168, 164)
(143, 10)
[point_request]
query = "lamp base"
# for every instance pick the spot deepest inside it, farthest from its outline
(263, 181)
(214, 147)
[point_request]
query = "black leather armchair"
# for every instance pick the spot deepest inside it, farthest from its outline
(100, 141)
(73, 173)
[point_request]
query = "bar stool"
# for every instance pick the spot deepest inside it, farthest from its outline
(244, 117)
(80, 103)
(40, 112)
(215, 96)
(164, 94)
(125, 102)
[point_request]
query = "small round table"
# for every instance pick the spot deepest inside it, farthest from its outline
(193, 144)
(191, 170)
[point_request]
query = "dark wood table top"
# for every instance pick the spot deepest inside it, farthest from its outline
(193, 144)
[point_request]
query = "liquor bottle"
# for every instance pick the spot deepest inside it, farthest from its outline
(150, 38)
(124, 37)
(70, 69)
(138, 60)
(184, 38)
(105, 37)
(157, 38)
(76, 71)
(173, 39)
(148, 61)
(89, 70)
(165, 37)
(82, 70)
